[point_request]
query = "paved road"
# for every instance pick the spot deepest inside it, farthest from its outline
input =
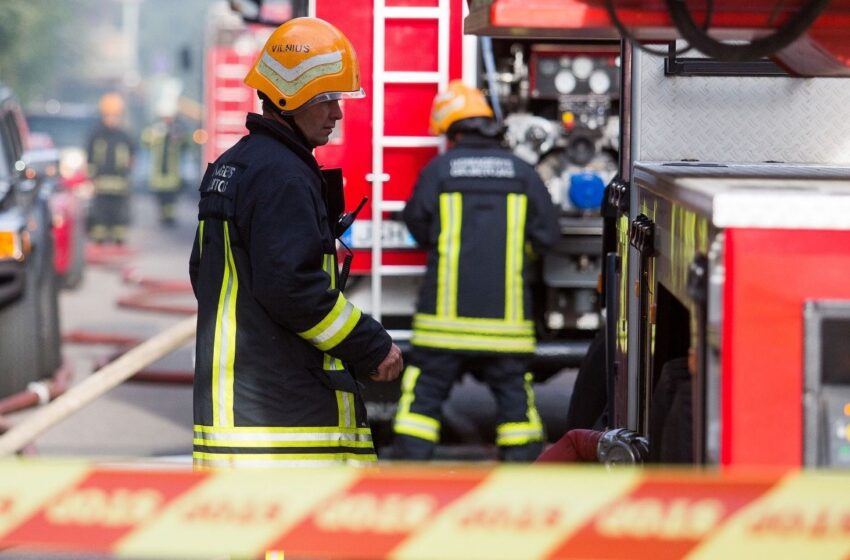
(144, 421)
(134, 419)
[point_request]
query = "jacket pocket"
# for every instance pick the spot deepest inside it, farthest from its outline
(337, 380)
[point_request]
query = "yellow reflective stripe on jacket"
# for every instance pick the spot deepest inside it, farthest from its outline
(329, 266)
(99, 148)
(448, 246)
(163, 149)
(339, 437)
(111, 184)
(224, 348)
(201, 238)
(520, 433)
(411, 423)
(460, 341)
(274, 431)
(329, 363)
(469, 325)
(345, 446)
(516, 211)
(122, 156)
(335, 326)
(273, 460)
(345, 406)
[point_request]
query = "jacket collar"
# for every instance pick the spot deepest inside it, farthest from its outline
(258, 124)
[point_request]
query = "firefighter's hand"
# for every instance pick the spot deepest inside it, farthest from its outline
(390, 368)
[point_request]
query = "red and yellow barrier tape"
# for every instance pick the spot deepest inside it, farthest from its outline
(418, 513)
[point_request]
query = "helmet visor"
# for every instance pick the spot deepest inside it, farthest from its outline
(329, 96)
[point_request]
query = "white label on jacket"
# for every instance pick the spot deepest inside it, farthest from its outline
(223, 176)
(482, 167)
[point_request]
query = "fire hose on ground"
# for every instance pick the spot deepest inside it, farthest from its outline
(97, 384)
(36, 393)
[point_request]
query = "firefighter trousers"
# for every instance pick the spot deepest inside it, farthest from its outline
(167, 200)
(426, 385)
(109, 217)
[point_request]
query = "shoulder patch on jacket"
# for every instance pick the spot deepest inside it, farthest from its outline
(222, 178)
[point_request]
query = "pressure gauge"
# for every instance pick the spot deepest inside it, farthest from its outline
(582, 67)
(599, 82)
(548, 66)
(565, 81)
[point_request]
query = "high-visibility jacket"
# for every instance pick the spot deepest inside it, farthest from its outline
(166, 144)
(277, 343)
(481, 213)
(110, 160)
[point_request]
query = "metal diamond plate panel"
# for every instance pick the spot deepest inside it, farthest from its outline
(734, 119)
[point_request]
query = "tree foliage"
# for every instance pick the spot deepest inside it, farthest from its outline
(32, 55)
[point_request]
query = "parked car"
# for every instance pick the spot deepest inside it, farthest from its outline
(69, 126)
(29, 307)
(66, 207)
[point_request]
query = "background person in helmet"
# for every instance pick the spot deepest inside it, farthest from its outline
(481, 213)
(278, 344)
(110, 161)
(166, 141)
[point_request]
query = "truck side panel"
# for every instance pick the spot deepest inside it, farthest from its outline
(775, 272)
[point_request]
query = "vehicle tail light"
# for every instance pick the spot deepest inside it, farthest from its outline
(12, 245)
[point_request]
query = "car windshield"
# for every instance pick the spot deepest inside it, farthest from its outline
(66, 131)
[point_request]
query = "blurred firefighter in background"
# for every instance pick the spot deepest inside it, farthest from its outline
(167, 141)
(110, 160)
(482, 214)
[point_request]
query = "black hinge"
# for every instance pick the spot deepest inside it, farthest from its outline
(642, 235)
(618, 194)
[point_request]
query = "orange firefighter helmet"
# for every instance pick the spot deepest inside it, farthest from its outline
(458, 102)
(306, 61)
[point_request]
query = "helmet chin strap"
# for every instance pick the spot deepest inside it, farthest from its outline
(290, 120)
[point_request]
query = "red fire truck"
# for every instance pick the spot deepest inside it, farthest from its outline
(559, 103)
(726, 279)
(728, 239)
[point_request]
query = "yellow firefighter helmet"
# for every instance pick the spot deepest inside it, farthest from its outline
(458, 102)
(306, 61)
(111, 105)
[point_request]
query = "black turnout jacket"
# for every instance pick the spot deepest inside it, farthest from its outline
(482, 214)
(278, 344)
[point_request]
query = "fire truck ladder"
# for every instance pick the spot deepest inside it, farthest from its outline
(382, 77)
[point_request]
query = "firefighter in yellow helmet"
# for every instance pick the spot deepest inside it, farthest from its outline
(279, 345)
(110, 161)
(481, 213)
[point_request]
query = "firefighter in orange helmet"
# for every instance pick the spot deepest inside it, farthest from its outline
(110, 161)
(475, 209)
(278, 344)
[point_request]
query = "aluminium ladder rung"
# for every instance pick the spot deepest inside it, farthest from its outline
(402, 270)
(411, 142)
(232, 71)
(392, 205)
